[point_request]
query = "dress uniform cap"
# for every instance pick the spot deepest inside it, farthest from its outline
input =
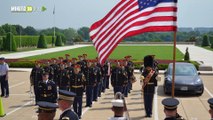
(60, 58)
(67, 55)
(2, 58)
(46, 107)
(210, 101)
(66, 95)
(170, 103)
(117, 103)
(45, 73)
(74, 58)
(77, 66)
(84, 54)
(80, 56)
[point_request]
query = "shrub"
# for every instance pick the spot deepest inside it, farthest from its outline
(53, 40)
(186, 56)
(211, 41)
(58, 41)
(205, 41)
(10, 44)
(22, 64)
(42, 42)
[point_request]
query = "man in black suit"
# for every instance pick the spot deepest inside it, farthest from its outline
(210, 101)
(65, 102)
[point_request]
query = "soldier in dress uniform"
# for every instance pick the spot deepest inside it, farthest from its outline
(170, 109)
(49, 69)
(210, 101)
(35, 78)
(118, 78)
(81, 63)
(65, 102)
(74, 61)
(118, 109)
(77, 82)
(66, 58)
(55, 68)
(130, 72)
(106, 75)
(98, 79)
(150, 82)
(63, 77)
(46, 110)
(47, 90)
(90, 83)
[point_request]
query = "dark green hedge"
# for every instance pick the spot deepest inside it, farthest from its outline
(27, 64)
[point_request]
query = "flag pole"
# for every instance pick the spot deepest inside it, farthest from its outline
(174, 60)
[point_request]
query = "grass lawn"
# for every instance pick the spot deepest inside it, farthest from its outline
(208, 48)
(137, 52)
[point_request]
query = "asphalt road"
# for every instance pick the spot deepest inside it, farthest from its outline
(19, 106)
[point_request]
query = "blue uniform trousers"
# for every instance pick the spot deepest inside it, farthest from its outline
(4, 86)
(148, 100)
(89, 95)
(77, 105)
(95, 92)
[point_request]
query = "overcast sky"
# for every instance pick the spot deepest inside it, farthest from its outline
(79, 13)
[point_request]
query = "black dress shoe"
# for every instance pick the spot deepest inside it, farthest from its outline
(6, 96)
(2, 95)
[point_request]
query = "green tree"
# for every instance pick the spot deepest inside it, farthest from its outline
(2, 32)
(186, 56)
(10, 44)
(42, 42)
(30, 31)
(211, 41)
(58, 41)
(78, 39)
(9, 28)
(205, 41)
(84, 33)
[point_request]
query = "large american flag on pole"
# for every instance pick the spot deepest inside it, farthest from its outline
(132, 17)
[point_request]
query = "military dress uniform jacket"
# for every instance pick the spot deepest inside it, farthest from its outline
(150, 87)
(36, 76)
(63, 79)
(47, 91)
(89, 76)
(98, 74)
(77, 84)
(55, 68)
(68, 115)
(119, 77)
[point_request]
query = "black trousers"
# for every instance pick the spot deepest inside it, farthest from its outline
(148, 101)
(4, 86)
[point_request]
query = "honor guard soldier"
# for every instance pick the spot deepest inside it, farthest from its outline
(49, 69)
(47, 90)
(63, 78)
(81, 63)
(77, 82)
(74, 61)
(170, 109)
(106, 75)
(66, 58)
(149, 83)
(130, 72)
(90, 83)
(84, 61)
(65, 102)
(35, 78)
(99, 78)
(46, 110)
(118, 78)
(210, 101)
(55, 68)
(118, 109)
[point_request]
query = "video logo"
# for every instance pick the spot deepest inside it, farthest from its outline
(27, 9)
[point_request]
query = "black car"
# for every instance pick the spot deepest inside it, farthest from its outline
(187, 79)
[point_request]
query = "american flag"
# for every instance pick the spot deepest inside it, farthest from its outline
(132, 17)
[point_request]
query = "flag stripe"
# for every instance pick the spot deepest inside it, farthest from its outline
(129, 23)
(139, 28)
(126, 19)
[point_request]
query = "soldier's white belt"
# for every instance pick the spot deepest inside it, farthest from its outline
(80, 86)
